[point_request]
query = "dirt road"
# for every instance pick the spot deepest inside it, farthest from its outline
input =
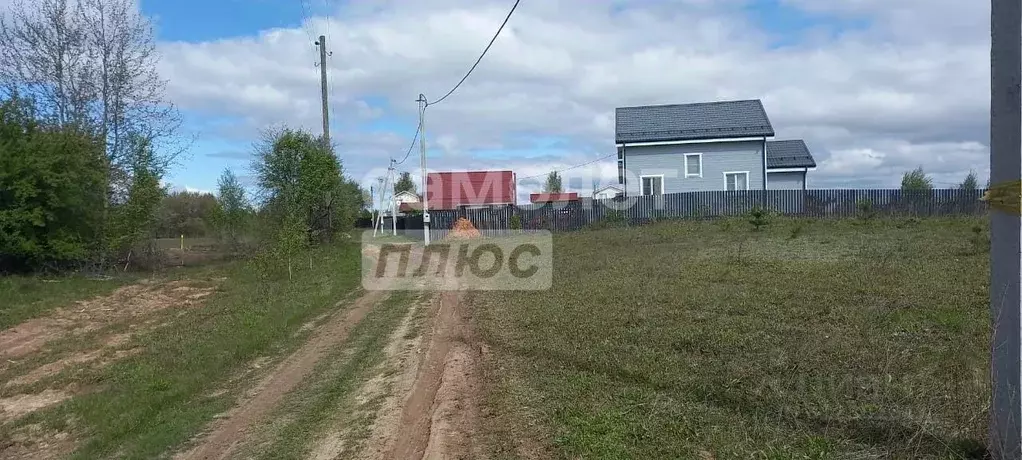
(230, 431)
(429, 384)
(440, 411)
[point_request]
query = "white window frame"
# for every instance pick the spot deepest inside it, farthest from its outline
(642, 184)
(747, 178)
(700, 157)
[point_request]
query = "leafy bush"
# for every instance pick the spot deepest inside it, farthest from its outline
(980, 238)
(864, 209)
(797, 230)
(616, 217)
(516, 222)
(759, 217)
(52, 191)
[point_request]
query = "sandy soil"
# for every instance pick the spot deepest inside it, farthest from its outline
(133, 305)
(123, 305)
(440, 415)
(36, 443)
(393, 378)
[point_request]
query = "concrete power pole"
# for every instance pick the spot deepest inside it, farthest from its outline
(1005, 224)
(393, 197)
(422, 163)
(322, 87)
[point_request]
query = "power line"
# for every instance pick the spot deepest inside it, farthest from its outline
(305, 20)
(509, 13)
(411, 146)
(568, 168)
(331, 78)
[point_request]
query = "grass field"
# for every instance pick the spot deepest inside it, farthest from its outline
(807, 340)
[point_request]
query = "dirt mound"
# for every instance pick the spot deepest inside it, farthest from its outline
(463, 229)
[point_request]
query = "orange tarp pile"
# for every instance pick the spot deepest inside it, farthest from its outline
(463, 229)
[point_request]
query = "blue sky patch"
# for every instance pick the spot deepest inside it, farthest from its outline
(789, 25)
(205, 20)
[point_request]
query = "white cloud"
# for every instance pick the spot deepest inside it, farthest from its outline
(911, 88)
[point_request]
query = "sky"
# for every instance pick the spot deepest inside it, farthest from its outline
(875, 87)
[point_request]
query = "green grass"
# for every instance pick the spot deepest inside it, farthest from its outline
(142, 405)
(26, 297)
(695, 339)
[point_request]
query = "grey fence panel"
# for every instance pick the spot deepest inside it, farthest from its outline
(816, 203)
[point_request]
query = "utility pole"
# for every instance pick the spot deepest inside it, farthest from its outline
(378, 225)
(393, 197)
(322, 88)
(1005, 229)
(422, 163)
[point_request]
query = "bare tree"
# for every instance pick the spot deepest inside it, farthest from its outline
(43, 56)
(130, 89)
(91, 62)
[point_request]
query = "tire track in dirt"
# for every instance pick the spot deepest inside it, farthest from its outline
(230, 431)
(440, 416)
(380, 398)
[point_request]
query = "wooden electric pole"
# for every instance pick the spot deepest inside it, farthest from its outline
(322, 85)
(1005, 228)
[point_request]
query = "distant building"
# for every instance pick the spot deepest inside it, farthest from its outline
(451, 190)
(407, 201)
(539, 198)
(609, 191)
(725, 145)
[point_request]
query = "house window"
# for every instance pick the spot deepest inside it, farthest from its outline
(736, 181)
(693, 165)
(652, 185)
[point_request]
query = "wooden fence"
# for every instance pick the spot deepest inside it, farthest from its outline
(838, 203)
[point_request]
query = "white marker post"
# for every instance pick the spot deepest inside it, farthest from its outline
(1005, 225)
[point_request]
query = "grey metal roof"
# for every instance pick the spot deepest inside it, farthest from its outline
(681, 122)
(789, 154)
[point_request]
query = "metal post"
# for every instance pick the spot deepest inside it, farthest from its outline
(1005, 224)
(422, 162)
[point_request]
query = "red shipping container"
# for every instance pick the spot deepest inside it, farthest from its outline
(448, 190)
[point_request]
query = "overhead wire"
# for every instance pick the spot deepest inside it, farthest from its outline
(305, 20)
(509, 13)
(418, 129)
(411, 146)
(568, 168)
(331, 80)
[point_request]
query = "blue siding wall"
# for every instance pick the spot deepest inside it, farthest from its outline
(669, 160)
(785, 180)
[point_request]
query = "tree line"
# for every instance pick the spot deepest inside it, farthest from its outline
(87, 137)
(917, 180)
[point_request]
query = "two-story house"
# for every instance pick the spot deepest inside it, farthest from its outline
(726, 145)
